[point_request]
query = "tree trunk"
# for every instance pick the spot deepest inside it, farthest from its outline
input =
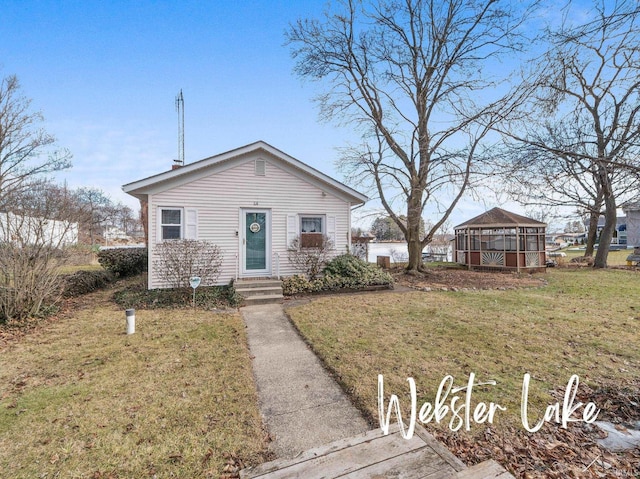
(592, 233)
(414, 241)
(607, 232)
(415, 254)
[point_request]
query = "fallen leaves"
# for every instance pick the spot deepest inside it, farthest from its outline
(554, 452)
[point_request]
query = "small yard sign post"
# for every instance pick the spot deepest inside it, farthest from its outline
(194, 282)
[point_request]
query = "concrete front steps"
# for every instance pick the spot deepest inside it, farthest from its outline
(259, 291)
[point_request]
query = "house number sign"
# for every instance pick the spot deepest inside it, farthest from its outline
(254, 227)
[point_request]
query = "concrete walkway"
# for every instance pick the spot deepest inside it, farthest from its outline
(303, 407)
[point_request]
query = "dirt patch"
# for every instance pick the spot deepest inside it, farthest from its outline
(454, 279)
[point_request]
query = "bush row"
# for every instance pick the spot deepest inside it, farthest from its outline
(83, 282)
(124, 262)
(137, 295)
(342, 272)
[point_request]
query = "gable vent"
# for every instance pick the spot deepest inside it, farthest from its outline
(260, 168)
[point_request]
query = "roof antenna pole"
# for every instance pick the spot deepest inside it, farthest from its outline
(180, 110)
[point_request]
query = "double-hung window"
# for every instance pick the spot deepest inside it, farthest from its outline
(312, 231)
(171, 223)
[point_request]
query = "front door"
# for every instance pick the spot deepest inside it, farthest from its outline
(256, 243)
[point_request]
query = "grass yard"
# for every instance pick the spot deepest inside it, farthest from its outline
(79, 398)
(585, 322)
(70, 269)
(614, 258)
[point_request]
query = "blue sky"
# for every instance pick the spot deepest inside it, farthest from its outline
(105, 76)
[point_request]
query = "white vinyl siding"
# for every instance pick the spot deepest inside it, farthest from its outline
(217, 199)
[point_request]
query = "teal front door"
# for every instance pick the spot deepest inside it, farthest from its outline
(256, 242)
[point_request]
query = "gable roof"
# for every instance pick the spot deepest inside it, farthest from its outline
(500, 217)
(191, 171)
(631, 206)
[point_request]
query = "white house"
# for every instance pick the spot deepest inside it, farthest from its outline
(252, 202)
(632, 210)
(37, 231)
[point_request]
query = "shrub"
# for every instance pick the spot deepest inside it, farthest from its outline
(28, 279)
(178, 260)
(83, 282)
(124, 261)
(346, 265)
(355, 272)
(310, 259)
(296, 284)
(137, 295)
(342, 272)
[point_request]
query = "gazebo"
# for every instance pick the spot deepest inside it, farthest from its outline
(499, 239)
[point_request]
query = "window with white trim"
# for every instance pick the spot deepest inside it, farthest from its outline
(171, 223)
(312, 231)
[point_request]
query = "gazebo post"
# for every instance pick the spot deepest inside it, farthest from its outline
(468, 252)
(517, 248)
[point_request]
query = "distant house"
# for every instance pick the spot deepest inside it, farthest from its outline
(561, 239)
(632, 212)
(252, 202)
(499, 239)
(620, 236)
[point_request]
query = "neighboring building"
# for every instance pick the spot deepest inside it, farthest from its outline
(37, 231)
(499, 239)
(633, 223)
(620, 233)
(252, 202)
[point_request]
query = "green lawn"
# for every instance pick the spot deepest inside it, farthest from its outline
(584, 322)
(614, 258)
(79, 398)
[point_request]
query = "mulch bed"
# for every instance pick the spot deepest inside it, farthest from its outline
(455, 279)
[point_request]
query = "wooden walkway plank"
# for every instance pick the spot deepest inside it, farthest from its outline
(337, 463)
(333, 447)
(372, 454)
(485, 470)
(375, 455)
(421, 464)
(437, 446)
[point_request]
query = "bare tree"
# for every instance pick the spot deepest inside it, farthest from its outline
(585, 120)
(408, 74)
(34, 215)
(540, 177)
(95, 211)
(33, 240)
(23, 144)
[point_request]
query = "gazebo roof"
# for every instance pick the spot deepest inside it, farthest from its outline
(497, 217)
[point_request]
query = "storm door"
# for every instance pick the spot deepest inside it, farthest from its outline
(256, 242)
